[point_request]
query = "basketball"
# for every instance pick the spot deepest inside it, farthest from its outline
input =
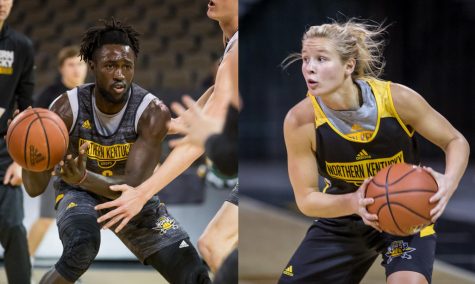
(401, 195)
(37, 139)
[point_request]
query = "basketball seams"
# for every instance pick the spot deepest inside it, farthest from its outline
(396, 181)
(386, 187)
(16, 123)
(26, 141)
(60, 130)
(411, 210)
(404, 191)
(46, 138)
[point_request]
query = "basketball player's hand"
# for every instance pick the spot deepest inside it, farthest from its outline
(360, 203)
(73, 170)
(193, 123)
(128, 205)
(172, 126)
(13, 175)
(442, 197)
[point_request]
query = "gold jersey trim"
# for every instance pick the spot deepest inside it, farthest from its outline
(384, 103)
(106, 156)
(357, 172)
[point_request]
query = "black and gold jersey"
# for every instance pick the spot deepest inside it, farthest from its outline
(107, 154)
(345, 160)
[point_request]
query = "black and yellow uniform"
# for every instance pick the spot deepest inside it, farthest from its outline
(341, 250)
(153, 235)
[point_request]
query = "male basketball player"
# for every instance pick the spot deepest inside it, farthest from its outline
(116, 128)
(226, 87)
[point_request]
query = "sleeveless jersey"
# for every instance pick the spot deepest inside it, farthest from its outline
(346, 160)
(106, 155)
(231, 43)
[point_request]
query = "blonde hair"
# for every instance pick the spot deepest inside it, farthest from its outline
(361, 40)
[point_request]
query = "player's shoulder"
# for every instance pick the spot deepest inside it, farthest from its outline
(403, 95)
(300, 114)
(61, 102)
(155, 113)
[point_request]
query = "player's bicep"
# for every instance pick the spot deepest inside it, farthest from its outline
(226, 86)
(301, 161)
(62, 108)
(416, 112)
(145, 153)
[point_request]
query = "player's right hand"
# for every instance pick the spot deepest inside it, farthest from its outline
(360, 203)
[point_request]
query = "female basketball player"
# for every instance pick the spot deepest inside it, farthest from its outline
(348, 118)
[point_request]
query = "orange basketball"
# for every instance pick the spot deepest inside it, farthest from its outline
(37, 139)
(401, 195)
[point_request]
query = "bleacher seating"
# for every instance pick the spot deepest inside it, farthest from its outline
(179, 43)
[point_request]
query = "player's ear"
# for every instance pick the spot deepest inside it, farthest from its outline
(91, 65)
(350, 66)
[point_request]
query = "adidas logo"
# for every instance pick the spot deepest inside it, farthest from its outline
(35, 156)
(288, 271)
(86, 124)
(71, 205)
(183, 244)
(363, 155)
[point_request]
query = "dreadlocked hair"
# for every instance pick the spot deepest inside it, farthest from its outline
(112, 32)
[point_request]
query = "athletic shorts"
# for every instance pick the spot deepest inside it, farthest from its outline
(234, 196)
(146, 233)
(341, 250)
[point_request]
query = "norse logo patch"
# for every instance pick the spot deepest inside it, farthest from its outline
(399, 249)
(164, 224)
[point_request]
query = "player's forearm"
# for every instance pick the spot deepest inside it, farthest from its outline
(204, 97)
(175, 164)
(100, 184)
(35, 182)
(456, 158)
(321, 205)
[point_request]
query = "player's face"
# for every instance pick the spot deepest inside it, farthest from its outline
(222, 10)
(113, 68)
(73, 71)
(322, 68)
(5, 8)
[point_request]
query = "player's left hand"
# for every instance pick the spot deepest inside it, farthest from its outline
(442, 197)
(73, 171)
(13, 175)
(128, 205)
(193, 123)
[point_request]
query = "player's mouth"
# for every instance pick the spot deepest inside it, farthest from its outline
(118, 87)
(312, 83)
(211, 4)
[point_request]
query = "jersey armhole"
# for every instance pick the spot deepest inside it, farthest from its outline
(409, 132)
(143, 105)
(74, 104)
